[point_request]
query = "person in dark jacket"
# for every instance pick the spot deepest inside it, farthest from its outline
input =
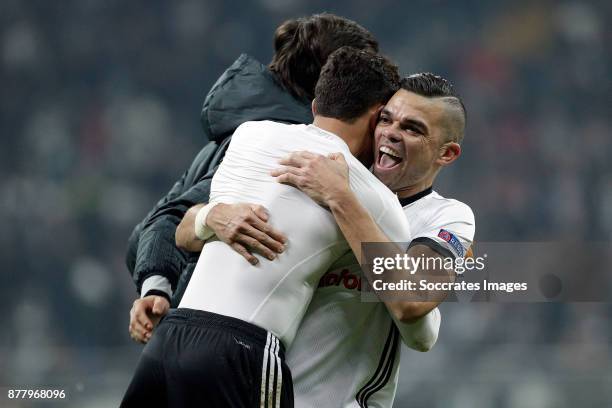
(247, 91)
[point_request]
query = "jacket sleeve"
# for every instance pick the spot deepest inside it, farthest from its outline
(151, 247)
(133, 240)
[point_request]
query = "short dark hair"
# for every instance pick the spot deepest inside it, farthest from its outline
(352, 81)
(302, 46)
(434, 86)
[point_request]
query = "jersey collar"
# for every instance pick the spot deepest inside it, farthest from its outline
(411, 199)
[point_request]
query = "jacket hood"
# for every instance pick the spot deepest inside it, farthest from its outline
(247, 91)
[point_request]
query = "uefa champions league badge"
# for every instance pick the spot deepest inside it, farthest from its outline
(453, 241)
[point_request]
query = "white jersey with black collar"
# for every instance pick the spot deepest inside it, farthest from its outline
(346, 352)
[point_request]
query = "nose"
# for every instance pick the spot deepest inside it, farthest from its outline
(392, 136)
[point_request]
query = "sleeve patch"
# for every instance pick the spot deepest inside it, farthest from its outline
(453, 241)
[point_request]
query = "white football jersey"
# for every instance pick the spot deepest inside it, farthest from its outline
(275, 294)
(346, 352)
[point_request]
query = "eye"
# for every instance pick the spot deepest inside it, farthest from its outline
(412, 129)
(384, 120)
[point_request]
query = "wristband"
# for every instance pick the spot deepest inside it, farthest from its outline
(202, 230)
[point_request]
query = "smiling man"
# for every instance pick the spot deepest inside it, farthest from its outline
(346, 352)
(420, 130)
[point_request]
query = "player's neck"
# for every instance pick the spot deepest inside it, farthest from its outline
(416, 188)
(351, 133)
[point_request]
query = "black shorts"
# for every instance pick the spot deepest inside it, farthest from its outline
(202, 359)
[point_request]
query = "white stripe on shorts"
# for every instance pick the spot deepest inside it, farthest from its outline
(266, 355)
(279, 377)
(271, 376)
(272, 373)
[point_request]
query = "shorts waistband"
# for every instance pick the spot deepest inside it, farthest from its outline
(202, 318)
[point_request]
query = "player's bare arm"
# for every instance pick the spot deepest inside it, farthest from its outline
(325, 180)
(242, 226)
(185, 236)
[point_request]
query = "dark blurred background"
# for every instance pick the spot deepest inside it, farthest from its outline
(99, 108)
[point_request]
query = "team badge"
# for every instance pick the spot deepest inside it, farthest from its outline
(453, 242)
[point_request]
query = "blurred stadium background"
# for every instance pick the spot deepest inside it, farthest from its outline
(99, 114)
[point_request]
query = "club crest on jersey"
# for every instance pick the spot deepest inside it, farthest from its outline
(453, 242)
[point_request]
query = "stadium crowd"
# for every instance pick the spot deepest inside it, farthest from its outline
(100, 114)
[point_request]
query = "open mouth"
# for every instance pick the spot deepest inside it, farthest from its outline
(388, 158)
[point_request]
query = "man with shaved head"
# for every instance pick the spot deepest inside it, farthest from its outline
(429, 110)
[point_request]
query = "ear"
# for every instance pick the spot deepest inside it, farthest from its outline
(449, 152)
(373, 120)
(313, 106)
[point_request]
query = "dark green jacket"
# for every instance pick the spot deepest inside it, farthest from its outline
(246, 91)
